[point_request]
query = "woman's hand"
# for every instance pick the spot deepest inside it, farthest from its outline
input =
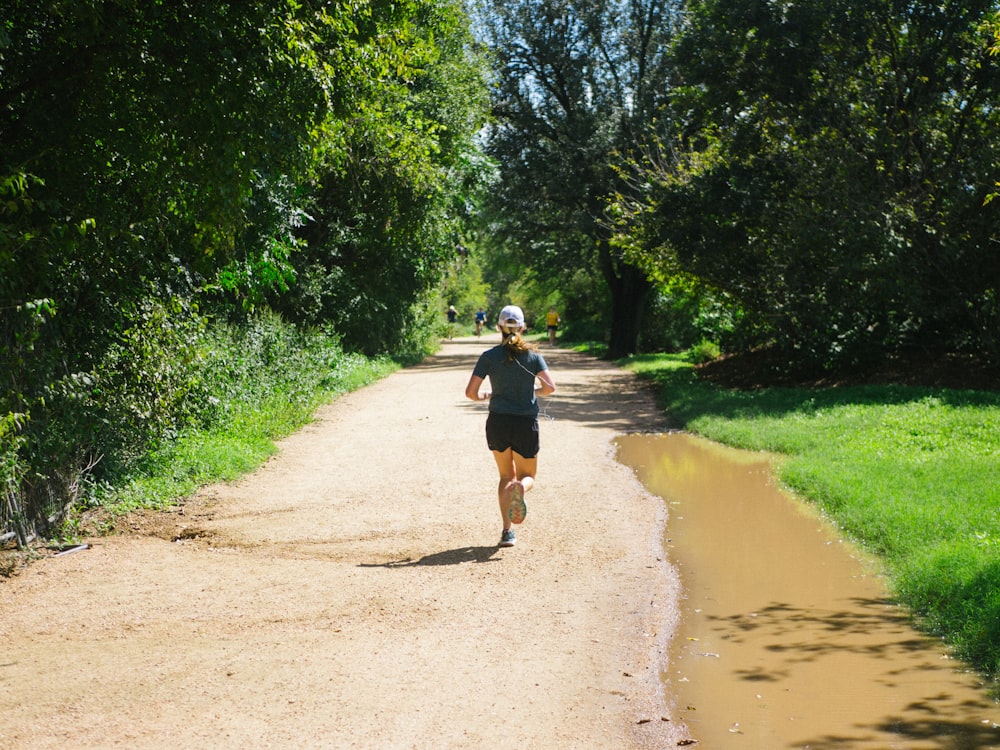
(547, 386)
(472, 390)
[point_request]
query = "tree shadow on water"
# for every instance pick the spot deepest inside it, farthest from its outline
(931, 732)
(446, 557)
(943, 716)
(820, 631)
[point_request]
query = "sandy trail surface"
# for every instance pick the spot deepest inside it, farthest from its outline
(351, 594)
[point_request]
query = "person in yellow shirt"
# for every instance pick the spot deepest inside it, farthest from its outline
(552, 321)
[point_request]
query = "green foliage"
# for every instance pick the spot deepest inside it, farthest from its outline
(134, 135)
(259, 383)
(145, 383)
(680, 315)
(463, 287)
(955, 589)
(169, 164)
(388, 222)
(574, 83)
(11, 473)
(704, 351)
(827, 173)
(910, 473)
(583, 302)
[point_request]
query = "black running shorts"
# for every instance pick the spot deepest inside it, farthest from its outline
(505, 431)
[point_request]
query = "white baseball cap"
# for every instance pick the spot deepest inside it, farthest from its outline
(511, 317)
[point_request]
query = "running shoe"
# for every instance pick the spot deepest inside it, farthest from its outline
(518, 510)
(507, 538)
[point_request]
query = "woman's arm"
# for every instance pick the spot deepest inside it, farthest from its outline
(548, 386)
(472, 389)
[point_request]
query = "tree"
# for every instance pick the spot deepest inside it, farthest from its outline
(390, 197)
(829, 174)
(135, 136)
(575, 83)
(162, 161)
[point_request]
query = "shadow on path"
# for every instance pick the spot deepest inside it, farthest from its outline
(447, 557)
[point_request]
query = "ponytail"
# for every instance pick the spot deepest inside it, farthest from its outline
(514, 343)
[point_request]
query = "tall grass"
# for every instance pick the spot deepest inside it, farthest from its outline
(257, 383)
(912, 474)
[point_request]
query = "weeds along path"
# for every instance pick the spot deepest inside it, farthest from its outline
(350, 593)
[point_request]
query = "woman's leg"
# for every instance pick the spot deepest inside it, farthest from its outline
(505, 465)
(514, 469)
(524, 470)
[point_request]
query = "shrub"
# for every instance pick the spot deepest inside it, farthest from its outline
(704, 351)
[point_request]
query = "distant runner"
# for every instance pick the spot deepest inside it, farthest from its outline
(552, 321)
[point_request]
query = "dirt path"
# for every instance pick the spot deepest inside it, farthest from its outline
(350, 593)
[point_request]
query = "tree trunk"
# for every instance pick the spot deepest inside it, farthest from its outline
(629, 289)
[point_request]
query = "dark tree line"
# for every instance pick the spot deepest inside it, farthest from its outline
(166, 166)
(828, 172)
(819, 168)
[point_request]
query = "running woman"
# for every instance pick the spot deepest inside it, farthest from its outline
(512, 425)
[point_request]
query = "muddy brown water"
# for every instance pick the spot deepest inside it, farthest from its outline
(787, 637)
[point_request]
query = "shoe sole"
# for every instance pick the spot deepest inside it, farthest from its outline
(509, 543)
(518, 510)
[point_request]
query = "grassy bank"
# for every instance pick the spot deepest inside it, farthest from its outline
(911, 474)
(262, 384)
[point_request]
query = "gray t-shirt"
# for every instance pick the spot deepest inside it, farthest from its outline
(513, 383)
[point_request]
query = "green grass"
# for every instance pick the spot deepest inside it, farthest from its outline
(593, 348)
(260, 405)
(911, 474)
